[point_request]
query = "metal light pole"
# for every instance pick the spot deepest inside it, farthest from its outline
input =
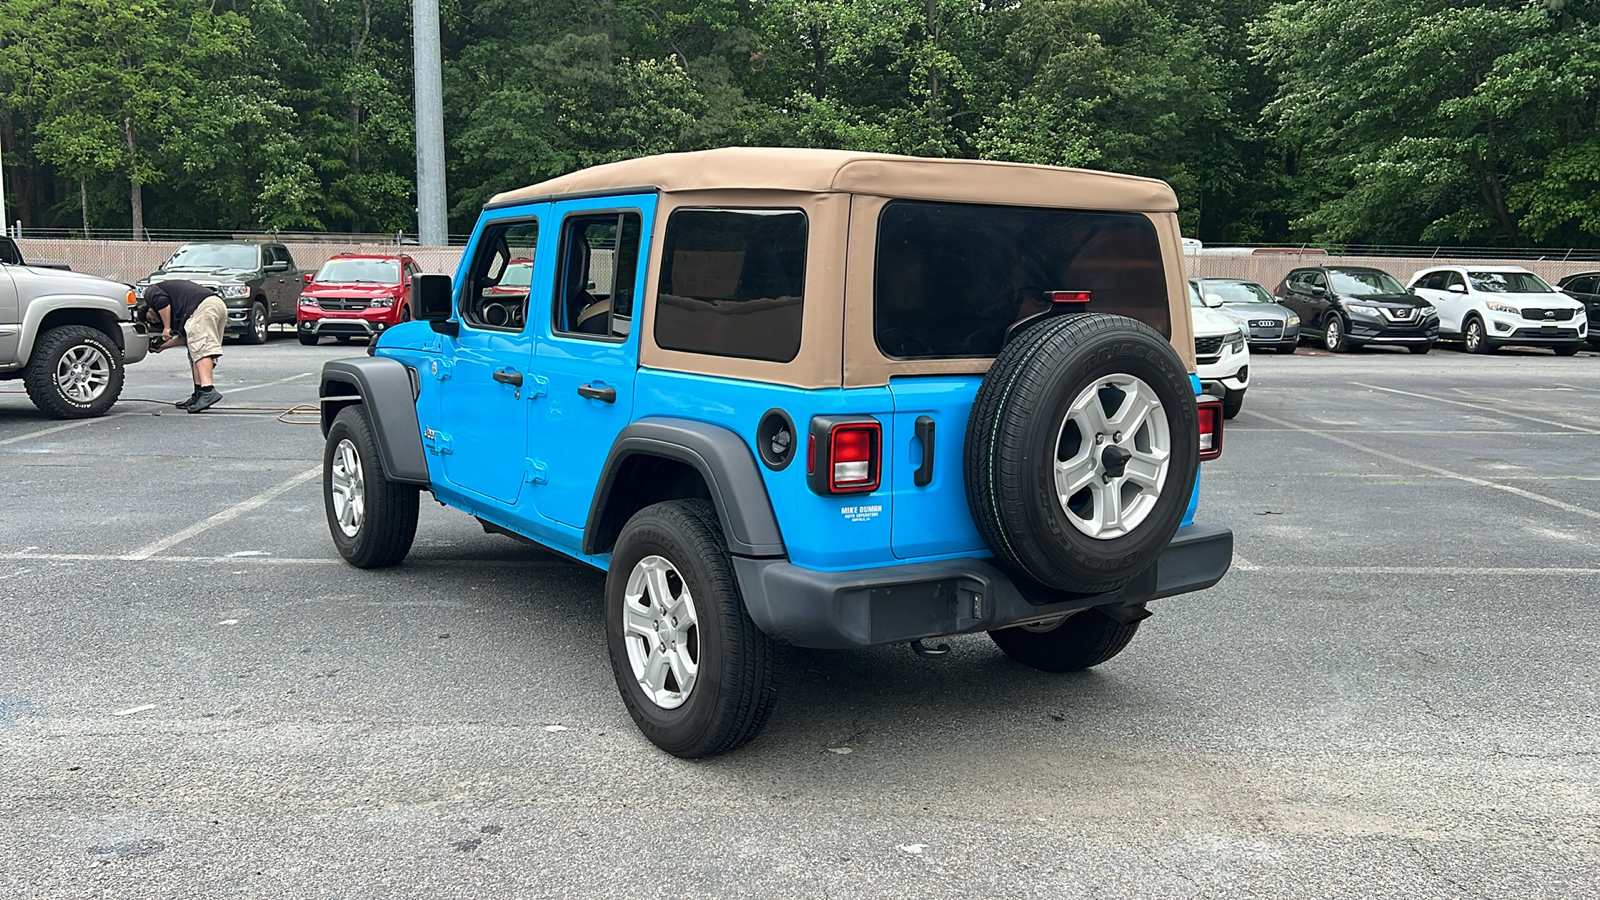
(432, 228)
(5, 223)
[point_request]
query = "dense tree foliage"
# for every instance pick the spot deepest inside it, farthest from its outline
(1360, 121)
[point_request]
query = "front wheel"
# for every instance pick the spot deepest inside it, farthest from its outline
(1232, 404)
(309, 340)
(1287, 349)
(695, 673)
(1475, 338)
(255, 331)
(1420, 349)
(1568, 349)
(1077, 642)
(75, 372)
(372, 519)
(1333, 336)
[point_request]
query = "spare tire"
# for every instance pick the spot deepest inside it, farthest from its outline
(1082, 451)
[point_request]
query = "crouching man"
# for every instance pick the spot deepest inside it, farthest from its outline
(192, 316)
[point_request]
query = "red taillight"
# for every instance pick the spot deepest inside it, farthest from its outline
(1067, 296)
(845, 454)
(1210, 429)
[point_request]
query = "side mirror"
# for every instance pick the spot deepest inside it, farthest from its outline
(277, 265)
(1457, 289)
(308, 276)
(432, 302)
(1318, 290)
(1213, 300)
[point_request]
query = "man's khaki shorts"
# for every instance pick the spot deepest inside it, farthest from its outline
(203, 331)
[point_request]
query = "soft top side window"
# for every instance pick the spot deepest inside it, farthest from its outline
(733, 283)
(496, 294)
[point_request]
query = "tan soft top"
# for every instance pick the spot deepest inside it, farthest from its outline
(881, 174)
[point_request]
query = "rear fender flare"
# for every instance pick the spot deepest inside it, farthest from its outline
(384, 387)
(723, 459)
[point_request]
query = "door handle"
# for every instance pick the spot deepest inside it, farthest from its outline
(505, 376)
(603, 394)
(924, 432)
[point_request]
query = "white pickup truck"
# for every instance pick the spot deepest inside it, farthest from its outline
(66, 335)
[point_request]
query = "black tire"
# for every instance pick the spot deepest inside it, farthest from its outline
(1420, 349)
(255, 327)
(342, 338)
(1333, 335)
(732, 693)
(1085, 639)
(1232, 404)
(1287, 349)
(309, 340)
(388, 523)
(1475, 336)
(57, 392)
(1018, 422)
(1568, 349)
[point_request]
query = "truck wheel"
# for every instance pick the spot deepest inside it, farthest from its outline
(1079, 641)
(75, 372)
(1232, 404)
(372, 519)
(1082, 450)
(255, 330)
(694, 671)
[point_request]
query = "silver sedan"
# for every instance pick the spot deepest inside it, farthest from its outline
(1269, 326)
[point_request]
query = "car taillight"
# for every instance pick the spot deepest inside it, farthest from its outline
(844, 454)
(1210, 429)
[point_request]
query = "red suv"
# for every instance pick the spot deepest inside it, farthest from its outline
(356, 295)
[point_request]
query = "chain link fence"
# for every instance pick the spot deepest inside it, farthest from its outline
(130, 261)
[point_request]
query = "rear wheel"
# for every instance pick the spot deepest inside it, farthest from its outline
(75, 372)
(694, 672)
(373, 520)
(1079, 641)
(1081, 451)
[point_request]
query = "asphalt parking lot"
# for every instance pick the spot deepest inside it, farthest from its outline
(1394, 693)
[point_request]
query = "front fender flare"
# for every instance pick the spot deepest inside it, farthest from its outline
(721, 457)
(384, 387)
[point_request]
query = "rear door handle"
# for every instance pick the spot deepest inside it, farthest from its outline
(506, 376)
(924, 432)
(603, 394)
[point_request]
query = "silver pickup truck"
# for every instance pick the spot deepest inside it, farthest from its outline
(66, 335)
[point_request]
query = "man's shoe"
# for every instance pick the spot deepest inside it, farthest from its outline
(206, 399)
(184, 403)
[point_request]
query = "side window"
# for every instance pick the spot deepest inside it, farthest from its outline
(1582, 285)
(599, 264)
(279, 253)
(733, 283)
(1433, 281)
(496, 295)
(1454, 278)
(1317, 279)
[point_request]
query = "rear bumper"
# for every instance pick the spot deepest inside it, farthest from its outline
(896, 604)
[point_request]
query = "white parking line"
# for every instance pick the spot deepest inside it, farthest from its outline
(56, 428)
(228, 514)
(1480, 408)
(1559, 571)
(24, 556)
(1470, 479)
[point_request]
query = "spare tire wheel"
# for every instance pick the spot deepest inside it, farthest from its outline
(1082, 450)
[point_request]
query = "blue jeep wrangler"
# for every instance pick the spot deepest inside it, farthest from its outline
(813, 397)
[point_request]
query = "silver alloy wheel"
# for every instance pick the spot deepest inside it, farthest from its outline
(1113, 451)
(1474, 336)
(83, 373)
(1335, 335)
(661, 631)
(258, 322)
(348, 488)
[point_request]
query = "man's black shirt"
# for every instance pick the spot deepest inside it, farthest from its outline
(183, 296)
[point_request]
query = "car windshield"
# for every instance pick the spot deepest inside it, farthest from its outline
(1360, 282)
(212, 256)
(373, 271)
(1235, 291)
(1508, 283)
(519, 273)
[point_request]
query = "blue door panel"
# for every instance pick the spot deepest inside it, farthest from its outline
(934, 519)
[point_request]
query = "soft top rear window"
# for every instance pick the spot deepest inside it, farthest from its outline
(951, 277)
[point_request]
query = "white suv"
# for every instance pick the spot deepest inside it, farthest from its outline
(1488, 306)
(1221, 355)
